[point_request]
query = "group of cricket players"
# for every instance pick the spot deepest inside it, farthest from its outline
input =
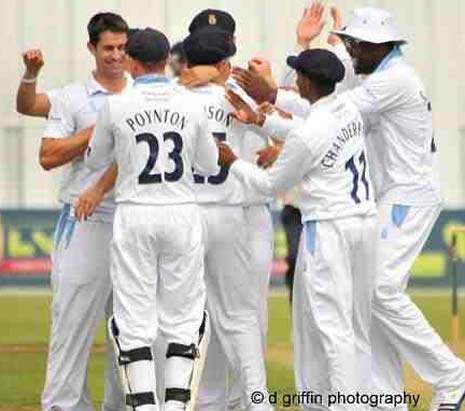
(170, 159)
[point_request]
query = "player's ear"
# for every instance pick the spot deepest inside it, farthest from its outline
(223, 67)
(91, 48)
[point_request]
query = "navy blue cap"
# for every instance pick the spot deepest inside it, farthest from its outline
(209, 45)
(148, 45)
(132, 30)
(319, 64)
(213, 17)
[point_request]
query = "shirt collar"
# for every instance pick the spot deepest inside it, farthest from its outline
(322, 101)
(151, 78)
(93, 87)
(394, 53)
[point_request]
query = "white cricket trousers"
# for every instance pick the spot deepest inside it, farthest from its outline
(81, 289)
(261, 240)
(399, 329)
(333, 288)
(157, 272)
(234, 309)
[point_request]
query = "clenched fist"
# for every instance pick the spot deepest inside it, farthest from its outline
(34, 61)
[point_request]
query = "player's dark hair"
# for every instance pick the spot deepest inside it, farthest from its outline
(325, 87)
(101, 22)
(178, 51)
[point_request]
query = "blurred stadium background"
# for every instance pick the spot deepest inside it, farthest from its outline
(28, 206)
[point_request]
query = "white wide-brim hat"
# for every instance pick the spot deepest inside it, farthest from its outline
(373, 26)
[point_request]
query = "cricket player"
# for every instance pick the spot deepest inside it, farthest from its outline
(401, 150)
(258, 223)
(236, 339)
(337, 263)
(156, 134)
(80, 278)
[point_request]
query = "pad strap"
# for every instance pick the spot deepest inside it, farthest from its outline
(137, 354)
(140, 398)
(178, 394)
(180, 350)
(202, 326)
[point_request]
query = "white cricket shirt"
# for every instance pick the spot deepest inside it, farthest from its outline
(399, 125)
(157, 132)
(74, 108)
(219, 187)
(326, 155)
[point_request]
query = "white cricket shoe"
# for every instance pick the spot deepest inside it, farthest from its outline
(448, 400)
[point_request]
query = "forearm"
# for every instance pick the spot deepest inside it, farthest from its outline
(254, 179)
(28, 101)
(290, 102)
(56, 152)
(279, 127)
(107, 181)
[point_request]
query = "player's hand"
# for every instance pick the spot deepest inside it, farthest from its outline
(284, 114)
(262, 67)
(336, 16)
(226, 155)
(267, 156)
(244, 112)
(266, 108)
(87, 202)
(34, 61)
(310, 24)
(198, 76)
(255, 85)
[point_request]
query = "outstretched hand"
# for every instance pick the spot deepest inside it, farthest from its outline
(310, 24)
(257, 85)
(244, 113)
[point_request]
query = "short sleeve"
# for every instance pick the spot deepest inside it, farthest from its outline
(60, 121)
(377, 94)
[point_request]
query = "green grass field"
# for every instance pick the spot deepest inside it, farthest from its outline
(24, 325)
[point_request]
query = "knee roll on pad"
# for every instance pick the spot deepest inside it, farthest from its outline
(127, 357)
(140, 398)
(178, 394)
(181, 350)
(137, 354)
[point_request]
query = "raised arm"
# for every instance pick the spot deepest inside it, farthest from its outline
(310, 24)
(28, 101)
(278, 124)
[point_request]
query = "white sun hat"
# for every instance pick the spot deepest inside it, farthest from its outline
(373, 26)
